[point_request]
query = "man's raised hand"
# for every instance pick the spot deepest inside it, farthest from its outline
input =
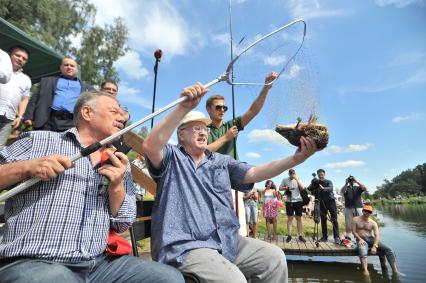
(194, 94)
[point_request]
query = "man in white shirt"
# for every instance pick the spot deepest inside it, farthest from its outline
(5, 67)
(14, 94)
(293, 204)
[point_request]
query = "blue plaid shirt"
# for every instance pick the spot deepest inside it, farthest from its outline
(64, 219)
(193, 207)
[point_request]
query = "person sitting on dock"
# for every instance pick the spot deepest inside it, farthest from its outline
(194, 226)
(366, 232)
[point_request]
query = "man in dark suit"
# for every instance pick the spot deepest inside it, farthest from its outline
(51, 106)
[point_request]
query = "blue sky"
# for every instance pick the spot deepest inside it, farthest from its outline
(365, 62)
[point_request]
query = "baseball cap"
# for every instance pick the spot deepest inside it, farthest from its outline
(368, 208)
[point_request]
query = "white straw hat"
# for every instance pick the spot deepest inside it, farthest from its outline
(195, 116)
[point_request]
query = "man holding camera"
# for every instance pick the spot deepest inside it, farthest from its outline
(323, 191)
(293, 203)
(352, 191)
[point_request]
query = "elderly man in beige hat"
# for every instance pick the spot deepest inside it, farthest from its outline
(194, 227)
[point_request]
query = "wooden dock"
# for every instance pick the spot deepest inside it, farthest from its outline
(296, 247)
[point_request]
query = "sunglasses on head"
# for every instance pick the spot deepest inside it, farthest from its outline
(221, 107)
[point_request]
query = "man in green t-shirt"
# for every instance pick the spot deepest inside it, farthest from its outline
(222, 134)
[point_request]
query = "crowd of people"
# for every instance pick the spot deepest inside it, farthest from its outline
(58, 229)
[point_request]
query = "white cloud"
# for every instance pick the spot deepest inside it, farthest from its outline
(310, 9)
(413, 116)
(348, 149)
(399, 3)
(253, 155)
(419, 77)
(152, 25)
(408, 58)
(266, 135)
(349, 163)
(221, 39)
(131, 64)
(275, 60)
(76, 40)
(293, 72)
(130, 95)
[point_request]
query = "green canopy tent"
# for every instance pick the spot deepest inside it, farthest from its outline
(43, 61)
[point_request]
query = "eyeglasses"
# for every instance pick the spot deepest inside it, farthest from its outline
(197, 129)
(221, 107)
(110, 89)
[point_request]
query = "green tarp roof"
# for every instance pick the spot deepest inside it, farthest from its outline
(43, 61)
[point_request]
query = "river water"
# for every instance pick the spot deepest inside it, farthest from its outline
(404, 230)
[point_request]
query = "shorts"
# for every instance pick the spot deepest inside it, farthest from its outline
(251, 213)
(294, 208)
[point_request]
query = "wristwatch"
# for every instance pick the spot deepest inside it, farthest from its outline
(376, 246)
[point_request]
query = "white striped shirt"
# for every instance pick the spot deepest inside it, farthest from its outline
(64, 219)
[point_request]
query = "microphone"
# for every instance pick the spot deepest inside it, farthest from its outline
(157, 54)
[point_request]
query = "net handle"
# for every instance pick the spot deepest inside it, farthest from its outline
(94, 147)
(224, 77)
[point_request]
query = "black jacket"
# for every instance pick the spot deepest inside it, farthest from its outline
(40, 104)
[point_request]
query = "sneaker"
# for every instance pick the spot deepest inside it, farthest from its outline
(324, 239)
(337, 241)
(348, 238)
(302, 239)
(288, 239)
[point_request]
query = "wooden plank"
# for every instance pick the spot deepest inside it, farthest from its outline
(134, 141)
(145, 218)
(143, 179)
(295, 247)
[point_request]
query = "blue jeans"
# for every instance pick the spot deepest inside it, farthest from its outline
(363, 250)
(101, 269)
(251, 212)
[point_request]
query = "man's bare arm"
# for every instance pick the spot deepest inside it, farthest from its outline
(230, 135)
(276, 167)
(43, 168)
(161, 133)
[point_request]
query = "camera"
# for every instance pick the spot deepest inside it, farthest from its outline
(288, 192)
(350, 179)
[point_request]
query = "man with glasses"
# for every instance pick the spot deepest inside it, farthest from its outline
(194, 227)
(366, 232)
(109, 86)
(222, 134)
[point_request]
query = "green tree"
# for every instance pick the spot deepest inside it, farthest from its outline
(56, 22)
(407, 183)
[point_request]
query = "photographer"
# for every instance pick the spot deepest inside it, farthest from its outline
(293, 204)
(322, 189)
(250, 204)
(352, 191)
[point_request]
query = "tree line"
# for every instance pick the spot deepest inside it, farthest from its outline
(56, 22)
(411, 182)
